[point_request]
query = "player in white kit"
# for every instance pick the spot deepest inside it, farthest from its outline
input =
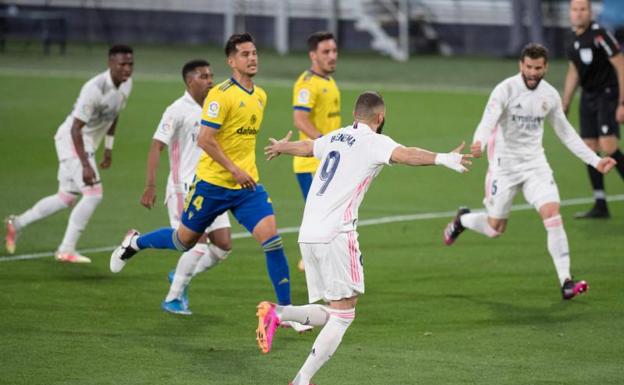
(350, 159)
(93, 118)
(512, 128)
(178, 130)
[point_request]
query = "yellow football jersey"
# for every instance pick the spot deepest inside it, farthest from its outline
(319, 96)
(237, 114)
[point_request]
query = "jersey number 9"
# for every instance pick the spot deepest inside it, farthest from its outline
(328, 170)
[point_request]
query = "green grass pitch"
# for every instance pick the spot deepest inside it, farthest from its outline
(479, 312)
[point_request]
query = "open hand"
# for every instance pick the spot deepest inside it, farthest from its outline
(273, 150)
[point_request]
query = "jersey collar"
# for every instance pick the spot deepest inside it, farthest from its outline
(243, 88)
(109, 80)
(187, 96)
(328, 78)
(361, 126)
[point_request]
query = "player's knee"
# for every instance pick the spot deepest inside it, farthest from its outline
(224, 244)
(496, 228)
(608, 144)
(219, 252)
(95, 192)
(67, 198)
(553, 221)
(592, 144)
(183, 243)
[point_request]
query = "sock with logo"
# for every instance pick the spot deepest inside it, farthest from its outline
(210, 258)
(184, 271)
(313, 314)
(44, 208)
(478, 222)
(78, 220)
(558, 247)
(277, 266)
(163, 238)
(326, 344)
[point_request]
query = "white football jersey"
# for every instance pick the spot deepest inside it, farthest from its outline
(98, 105)
(512, 126)
(178, 129)
(350, 158)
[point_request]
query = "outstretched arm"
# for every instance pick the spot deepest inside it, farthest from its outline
(414, 156)
(575, 144)
(284, 146)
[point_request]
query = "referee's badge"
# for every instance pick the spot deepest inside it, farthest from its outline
(586, 55)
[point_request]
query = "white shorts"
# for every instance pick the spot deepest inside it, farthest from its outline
(70, 177)
(175, 207)
(538, 187)
(333, 270)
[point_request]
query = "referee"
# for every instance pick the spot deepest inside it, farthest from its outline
(597, 64)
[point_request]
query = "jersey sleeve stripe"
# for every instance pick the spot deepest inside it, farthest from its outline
(210, 124)
(302, 108)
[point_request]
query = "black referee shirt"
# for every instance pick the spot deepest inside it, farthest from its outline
(590, 53)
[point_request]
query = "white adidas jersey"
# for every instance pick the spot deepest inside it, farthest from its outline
(512, 126)
(350, 158)
(178, 129)
(98, 105)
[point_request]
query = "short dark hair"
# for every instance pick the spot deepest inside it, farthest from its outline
(317, 37)
(236, 39)
(367, 103)
(190, 66)
(119, 48)
(534, 51)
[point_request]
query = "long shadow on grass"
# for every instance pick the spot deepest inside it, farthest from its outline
(508, 313)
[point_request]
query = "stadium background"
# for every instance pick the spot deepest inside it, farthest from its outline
(479, 312)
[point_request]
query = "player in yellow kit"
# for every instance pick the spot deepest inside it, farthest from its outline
(226, 177)
(316, 102)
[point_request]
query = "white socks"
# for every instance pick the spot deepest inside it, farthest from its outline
(479, 223)
(313, 315)
(200, 258)
(44, 208)
(326, 343)
(78, 220)
(558, 247)
(184, 271)
(213, 256)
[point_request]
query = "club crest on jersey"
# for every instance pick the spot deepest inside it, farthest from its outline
(213, 109)
(586, 55)
(166, 127)
(304, 96)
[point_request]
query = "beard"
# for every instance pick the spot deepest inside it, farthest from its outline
(381, 126)
(526, 83)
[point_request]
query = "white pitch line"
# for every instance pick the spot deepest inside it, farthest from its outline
(364, 222)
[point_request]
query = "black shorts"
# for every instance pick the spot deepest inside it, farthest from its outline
(598, 113)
